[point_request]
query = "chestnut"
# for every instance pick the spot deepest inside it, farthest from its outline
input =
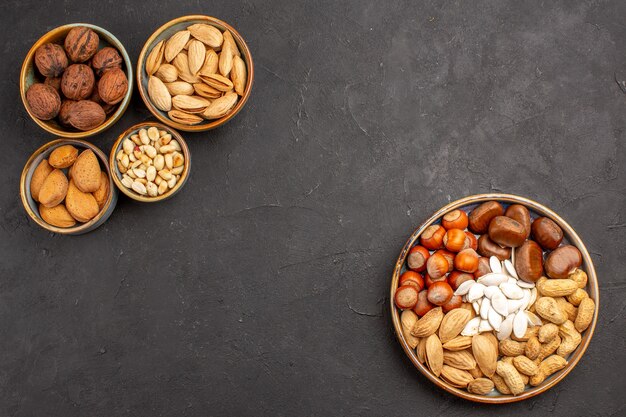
(412, 278)
(406, 297)
(466, 261)
(563, 261)
(547, 233)
(449, 257)
(456, 219)
(507, 232)
(417, 257)
(454, 240)
(471, 241)
(423, 306)
(529, 261)
(440, 293)
(487, 247)
(482, 215)
(432, 237)
(437, 266)
(455, 302)
(483, 267)
(456, 278)
(520, 214)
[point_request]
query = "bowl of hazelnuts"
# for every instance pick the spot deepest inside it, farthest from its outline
(76, 80)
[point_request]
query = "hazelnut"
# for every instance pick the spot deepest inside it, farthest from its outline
(65, 112)
(54, 83)
(77, 82)
(50, 60)
(113, 86)
(86, 115)
(43, 100)
(81, 43)
(106, 59)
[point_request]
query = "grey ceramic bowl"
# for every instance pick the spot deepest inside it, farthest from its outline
(32, 207)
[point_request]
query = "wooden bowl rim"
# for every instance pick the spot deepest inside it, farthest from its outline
(25, 187)
(204, 126)
(183, 177)
(122, 106)
(574, 239)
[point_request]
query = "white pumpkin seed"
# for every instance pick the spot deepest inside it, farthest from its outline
(511, 291)
(506, 327)
(471, 328)
(490, 291)
(494, 264)
(484, 308)
(464, 287)
(476, 292)
(484, 326)
(492, 279)
(520, 324)
(495, 319)
(523, 284)
(510, 269)
(500, 303)
(533, 319)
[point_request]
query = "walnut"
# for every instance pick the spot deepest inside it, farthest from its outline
(81, 43)
(44, 101)
(65, 112)
(50, 60)
(78, 82)
(86, 115)
(113, 86)
(106, 59)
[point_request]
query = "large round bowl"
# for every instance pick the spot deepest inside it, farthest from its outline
(536, 209)
(32, 207)
(28, 76)
(164, 33)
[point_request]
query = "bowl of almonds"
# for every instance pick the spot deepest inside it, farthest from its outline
(195, 73)
(150, 162)
(76, 81)
(66, 187)
(494, 298)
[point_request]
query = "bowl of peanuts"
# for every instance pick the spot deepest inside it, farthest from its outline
(494, 298)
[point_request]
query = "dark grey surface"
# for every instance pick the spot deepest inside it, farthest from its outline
(261, 289)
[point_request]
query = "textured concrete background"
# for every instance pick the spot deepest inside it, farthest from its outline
(261, 289)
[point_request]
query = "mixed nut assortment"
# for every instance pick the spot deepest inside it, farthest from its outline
(69, 186)
(150, 162)
(196, 75)
(81, 84)
(493, 299)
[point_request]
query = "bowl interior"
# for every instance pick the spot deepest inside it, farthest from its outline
(30, 75)
(164, 33)
(570, 237)
(33, 206)
(117, 174)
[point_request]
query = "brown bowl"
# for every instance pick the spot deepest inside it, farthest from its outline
(32, 207)
(117, 175)
(536, 209)
(28, 76)
(167, 30)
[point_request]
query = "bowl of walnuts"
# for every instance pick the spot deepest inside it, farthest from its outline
(76, 80)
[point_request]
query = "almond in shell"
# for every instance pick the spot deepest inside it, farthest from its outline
(428, 323)
(155, 58)
(53, 189)
(86, 172)
(221, 106)
(456, 377)
(434, 354)
(184, 118)
(159, 95)
(205, 90)
(63, 156)
(211, 62)
(82, 206)
(408, 319)
(167, 73)
(56, 216)
(207, 34)
(196, 54)
(452, 324)
(180, 88)
(216, 81)
(461, 359)
(480, 386)
(102, 192)
(175, 44)
(485, 353)
(226, 60)
(458, 343)
(181, 62)
(239, 75)
(190, 104)
(39, 175)
(228, 39)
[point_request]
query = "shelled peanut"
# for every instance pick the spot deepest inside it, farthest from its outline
(150, 162)
(448, 340)
(197, 74)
